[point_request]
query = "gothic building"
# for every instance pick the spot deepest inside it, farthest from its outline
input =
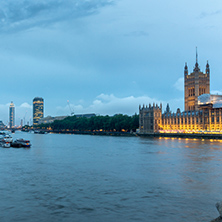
(203, 112)
(150, 118)
(195, 84)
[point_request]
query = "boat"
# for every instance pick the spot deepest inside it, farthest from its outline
(20, 143)
(40, 132)
(6, 145)
(7, 139)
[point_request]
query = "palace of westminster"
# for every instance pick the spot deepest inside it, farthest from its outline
(203, 111)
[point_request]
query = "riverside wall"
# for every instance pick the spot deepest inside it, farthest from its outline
(184, 135)
(156, 135)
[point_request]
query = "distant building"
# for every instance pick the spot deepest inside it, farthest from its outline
(203, 111)
(38, 109)
(2, 125)
(11, 115)
(88, 115)
(50, 119)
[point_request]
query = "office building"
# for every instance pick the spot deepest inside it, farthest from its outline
(11, 115)
(38, 109)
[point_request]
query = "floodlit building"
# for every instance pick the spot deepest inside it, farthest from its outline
(203, 111)
(38, 110)
(195, 84)
(11, 115)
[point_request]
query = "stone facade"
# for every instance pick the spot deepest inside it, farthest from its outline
(204, 119)
(207, 118)
(150, 118)
(195, 84)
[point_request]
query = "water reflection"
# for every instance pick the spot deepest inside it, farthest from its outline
(100, 178)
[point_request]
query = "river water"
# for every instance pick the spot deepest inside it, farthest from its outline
(103, 178)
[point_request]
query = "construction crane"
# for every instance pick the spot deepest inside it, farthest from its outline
(71, 110)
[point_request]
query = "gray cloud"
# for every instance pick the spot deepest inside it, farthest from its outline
(206, 14)
(24, 14)
(109, 104)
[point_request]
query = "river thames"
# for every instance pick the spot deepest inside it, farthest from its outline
(103, 178)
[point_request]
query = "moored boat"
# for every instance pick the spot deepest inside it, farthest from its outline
(6, 145)
(20, 143)
(7, 139)
(24, 143)
(15, 144)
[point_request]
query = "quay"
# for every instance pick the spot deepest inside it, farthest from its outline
(191, 135)
(100, 133)
(184, 135)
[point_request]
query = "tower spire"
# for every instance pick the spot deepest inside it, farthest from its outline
(196, 56)
(196, 69)
(185, 69)
(207, 68)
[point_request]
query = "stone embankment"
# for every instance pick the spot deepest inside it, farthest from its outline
(184, 135)
(219, 208)
(100, 133)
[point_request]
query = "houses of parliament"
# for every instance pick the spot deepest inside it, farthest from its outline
(203, 111)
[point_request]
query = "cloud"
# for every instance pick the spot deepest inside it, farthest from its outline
(26, 105)
(24, 14)
(105, 104)
(106, 97)
(216, 92)
(206, 14)
(179, 84)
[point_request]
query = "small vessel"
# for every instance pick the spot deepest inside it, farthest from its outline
(7, 139)
(6, 145)
(40, 132)
(20, 143)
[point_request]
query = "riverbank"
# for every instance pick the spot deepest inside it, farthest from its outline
(184, 135)
(133, 134)
(99, 133)
(156, 135)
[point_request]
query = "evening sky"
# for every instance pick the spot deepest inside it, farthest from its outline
(104, 56)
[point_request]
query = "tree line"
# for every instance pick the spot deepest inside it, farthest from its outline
(116, 123)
